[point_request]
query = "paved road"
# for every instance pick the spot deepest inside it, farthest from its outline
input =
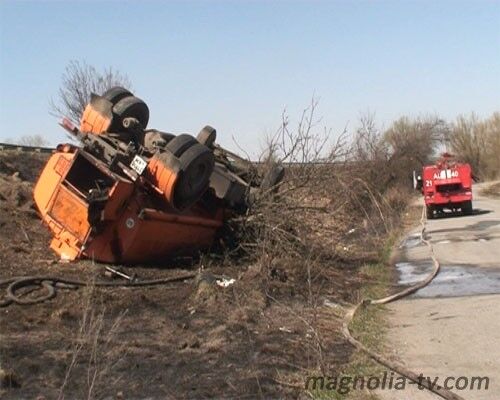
(452, 327)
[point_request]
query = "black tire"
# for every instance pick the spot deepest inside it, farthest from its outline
(467, 208)
(116, 93)
(429, 212)
(179, 144)
(207, 136)
(197, 164)
(130, 107)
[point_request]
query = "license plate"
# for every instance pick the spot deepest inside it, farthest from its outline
(138, 164)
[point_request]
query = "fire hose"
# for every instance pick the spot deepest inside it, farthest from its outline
(395, 366)
(51, 283)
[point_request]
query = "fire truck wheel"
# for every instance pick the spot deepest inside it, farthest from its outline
(130, 107)
(179, 144)
(467, 208)
(197, 164)
(429, 211)
(116, 93)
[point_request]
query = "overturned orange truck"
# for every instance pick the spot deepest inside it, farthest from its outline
(130, 195)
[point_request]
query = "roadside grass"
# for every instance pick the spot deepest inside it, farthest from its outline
(491, 190)
(370, 324)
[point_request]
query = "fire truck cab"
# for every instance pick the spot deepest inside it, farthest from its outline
(447, 185)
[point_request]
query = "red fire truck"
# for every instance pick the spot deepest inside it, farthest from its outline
(446, 185)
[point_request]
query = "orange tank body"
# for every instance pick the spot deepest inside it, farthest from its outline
(95, 213)
(94, 121)
(163, 178)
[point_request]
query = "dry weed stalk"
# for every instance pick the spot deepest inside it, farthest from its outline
(324, 176)
(94, 347)
(331, 209)
(294, 227)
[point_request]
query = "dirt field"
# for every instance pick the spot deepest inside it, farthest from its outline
(260, 337)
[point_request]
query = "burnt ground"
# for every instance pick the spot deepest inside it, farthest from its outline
(260, 337)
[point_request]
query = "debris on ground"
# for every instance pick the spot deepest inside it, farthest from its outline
(224, 282)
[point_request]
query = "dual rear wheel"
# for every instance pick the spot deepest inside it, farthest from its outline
(196, 161)
(126, 105)
(196, 167)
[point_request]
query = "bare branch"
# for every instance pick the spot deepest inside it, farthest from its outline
(79, 81)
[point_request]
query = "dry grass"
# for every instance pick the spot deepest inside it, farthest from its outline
(327, 218)
(492, 190)
(94, 347)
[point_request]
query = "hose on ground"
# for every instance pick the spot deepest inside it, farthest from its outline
(393, 365)
(50, 283)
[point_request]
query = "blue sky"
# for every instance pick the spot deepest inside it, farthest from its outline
(236, 65)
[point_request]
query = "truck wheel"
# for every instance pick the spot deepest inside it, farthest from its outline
(429, 211)
(179, 144)
(207, 136)
(197, 164)
(130, 107)
(154, 139)
(116, 93)
(467, 208)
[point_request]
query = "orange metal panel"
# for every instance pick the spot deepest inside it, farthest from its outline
(162, 177)
(94, 122)
(71, 212)
(132, 239)
(48, 181)
(66, 246)
(118, 198)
